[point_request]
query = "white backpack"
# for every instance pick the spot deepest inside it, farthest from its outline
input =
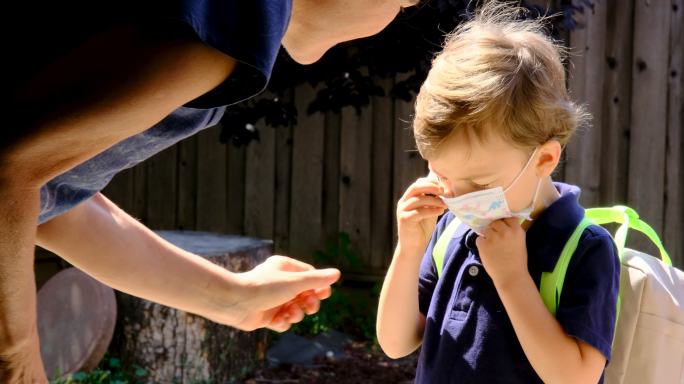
(649, 337)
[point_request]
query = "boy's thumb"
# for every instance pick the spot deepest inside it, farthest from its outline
(313, 279)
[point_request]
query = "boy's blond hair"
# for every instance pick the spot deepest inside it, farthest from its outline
(497, 74)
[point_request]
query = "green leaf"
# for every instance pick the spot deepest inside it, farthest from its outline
(114, 362)
(79, 376)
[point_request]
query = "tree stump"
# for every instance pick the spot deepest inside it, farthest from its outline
(177, 347)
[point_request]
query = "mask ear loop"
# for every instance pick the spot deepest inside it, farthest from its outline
(529, 161)
(536, 193)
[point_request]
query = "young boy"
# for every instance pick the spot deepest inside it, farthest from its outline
(491, 120)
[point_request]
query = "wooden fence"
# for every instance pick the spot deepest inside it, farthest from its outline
(333, 173)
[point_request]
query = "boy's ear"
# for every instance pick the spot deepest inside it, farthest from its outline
(549, 157)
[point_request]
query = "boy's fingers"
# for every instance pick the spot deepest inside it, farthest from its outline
(512, 222)
(498, 226)
(423, 201)
(423, 213)
(425, 187)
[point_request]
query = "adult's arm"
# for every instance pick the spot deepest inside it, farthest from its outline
(100, 238)
(116, 85)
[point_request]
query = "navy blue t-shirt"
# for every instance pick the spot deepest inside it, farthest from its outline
(468, 336)
(37, 32)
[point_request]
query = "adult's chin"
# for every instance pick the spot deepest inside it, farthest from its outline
(305, 57)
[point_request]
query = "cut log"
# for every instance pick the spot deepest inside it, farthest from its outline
(177, 347)
(76, 316)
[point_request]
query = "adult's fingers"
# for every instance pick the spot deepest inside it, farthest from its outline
(299, 282)
(289, 264)
(294, 313)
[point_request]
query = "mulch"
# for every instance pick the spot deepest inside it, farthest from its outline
(364, 363)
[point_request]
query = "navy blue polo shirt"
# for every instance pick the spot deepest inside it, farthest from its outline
(39, 32)
(468, 336)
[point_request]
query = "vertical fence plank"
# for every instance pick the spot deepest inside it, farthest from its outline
(586, 83)
(617, 102)
(408, 164)
(120, 190)
(161, 189)
(211, 181)
(283, 154)
(381, 179)
(140, 192)
(307, 178)
(186, 207)
(649, 112)
(331, 177)
(235, 188)
(355, 183)
(260, 184)
(674, 187)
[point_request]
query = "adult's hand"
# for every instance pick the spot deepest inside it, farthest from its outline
(280, 291)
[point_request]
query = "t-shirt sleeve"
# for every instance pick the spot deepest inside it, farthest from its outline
(427, 277)
(248, 31)
(588, 304)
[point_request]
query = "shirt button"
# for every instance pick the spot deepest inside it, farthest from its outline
(473, 270)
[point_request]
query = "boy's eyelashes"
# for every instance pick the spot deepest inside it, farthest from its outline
(470, 182)
(479, 186)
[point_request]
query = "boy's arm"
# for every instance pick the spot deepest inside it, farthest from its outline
(400, 322)
(555, 356)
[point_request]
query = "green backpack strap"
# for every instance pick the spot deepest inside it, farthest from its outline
(551, 284)
(439, 250)
(629, 219)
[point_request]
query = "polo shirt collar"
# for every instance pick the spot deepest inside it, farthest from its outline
(548, 233)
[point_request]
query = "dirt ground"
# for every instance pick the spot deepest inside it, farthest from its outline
(364, 364)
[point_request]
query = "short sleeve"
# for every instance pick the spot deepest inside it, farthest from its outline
(427, 277)
(248, 31)
(588, 304)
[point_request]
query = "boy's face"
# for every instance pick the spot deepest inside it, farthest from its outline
(467, 164)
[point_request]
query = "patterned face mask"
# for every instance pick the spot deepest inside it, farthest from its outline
(478, 209)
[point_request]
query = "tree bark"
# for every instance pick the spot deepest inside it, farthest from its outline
(177, 347)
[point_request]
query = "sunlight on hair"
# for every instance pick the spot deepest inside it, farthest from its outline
(497, 74)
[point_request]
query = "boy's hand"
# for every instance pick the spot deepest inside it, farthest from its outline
(417, 212)
(503, 251)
